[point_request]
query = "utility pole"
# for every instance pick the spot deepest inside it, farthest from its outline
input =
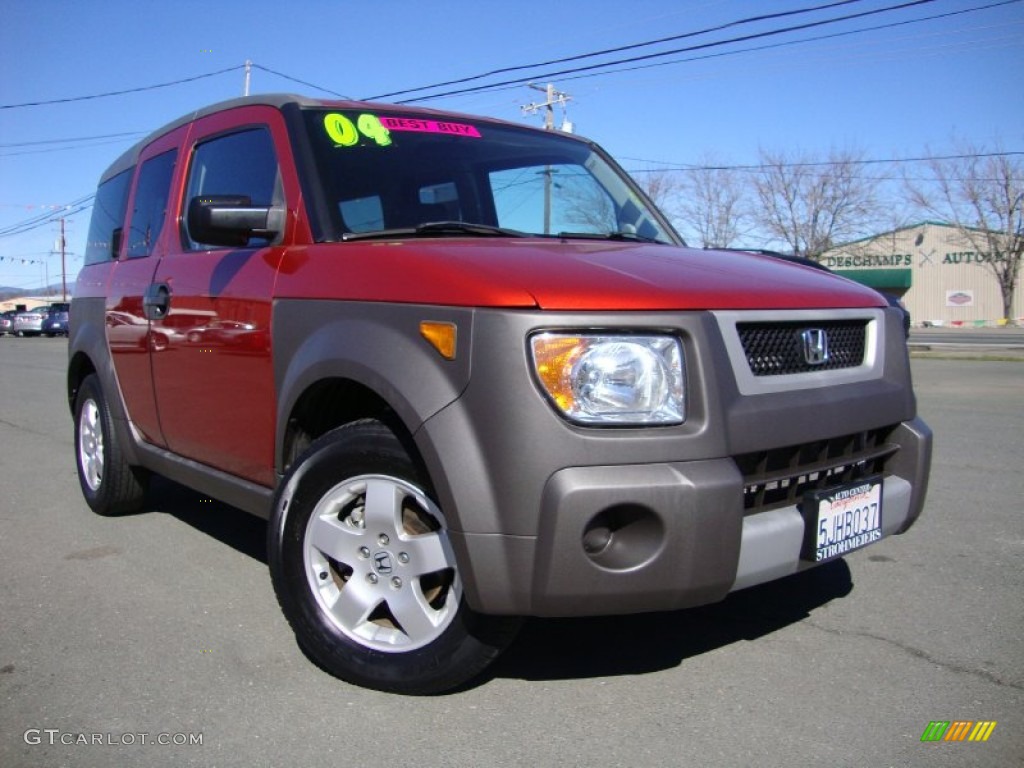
(553, 97)
(248, 74)
(63, 263)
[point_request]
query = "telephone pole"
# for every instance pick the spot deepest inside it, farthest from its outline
(553, 97)
(248, 75)
(63, 263)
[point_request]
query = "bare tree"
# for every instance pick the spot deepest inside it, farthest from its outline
(706, 201)
(982, 194)
(663, 187)
(811, 204)
(713, 205)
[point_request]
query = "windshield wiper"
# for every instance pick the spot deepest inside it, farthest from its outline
(626, 236)
(465, 227)
(437, 228)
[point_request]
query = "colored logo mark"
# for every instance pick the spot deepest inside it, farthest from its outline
(958, 730)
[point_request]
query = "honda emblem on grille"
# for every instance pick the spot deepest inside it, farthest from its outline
(815, 342)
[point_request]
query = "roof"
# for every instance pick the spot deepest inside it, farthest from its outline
(130, 156)
(279, 100)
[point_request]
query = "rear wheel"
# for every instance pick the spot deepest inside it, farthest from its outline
(364, 571)
(110, 485)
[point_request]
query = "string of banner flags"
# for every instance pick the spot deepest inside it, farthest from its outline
(20, 260)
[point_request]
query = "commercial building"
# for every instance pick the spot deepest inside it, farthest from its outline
(941, 276)
(27, 302)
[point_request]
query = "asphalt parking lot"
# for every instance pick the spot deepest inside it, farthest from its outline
(120, 634)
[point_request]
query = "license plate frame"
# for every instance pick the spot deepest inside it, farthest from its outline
(842, 519)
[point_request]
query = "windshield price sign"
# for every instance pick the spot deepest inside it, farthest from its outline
(842, 519)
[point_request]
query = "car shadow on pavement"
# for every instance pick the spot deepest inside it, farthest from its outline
(562, 649)
(607, 646)
(229, 525)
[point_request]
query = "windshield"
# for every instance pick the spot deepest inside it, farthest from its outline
(384, 172)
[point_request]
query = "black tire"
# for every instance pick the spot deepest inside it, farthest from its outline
(110, 485)
(384, 607)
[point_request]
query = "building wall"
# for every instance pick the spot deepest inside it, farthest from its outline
(934, 269)
(29, 302)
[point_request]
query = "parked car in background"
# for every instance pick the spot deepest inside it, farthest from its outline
(30, 322)
(6, 323)
(56, 323)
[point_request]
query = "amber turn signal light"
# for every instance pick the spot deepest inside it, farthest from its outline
(442, 337)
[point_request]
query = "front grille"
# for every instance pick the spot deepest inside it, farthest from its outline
(775, 349)
(781, 476)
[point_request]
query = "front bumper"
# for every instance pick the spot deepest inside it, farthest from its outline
(630, 539)
(553, 519)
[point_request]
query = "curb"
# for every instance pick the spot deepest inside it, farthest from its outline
(983, 352)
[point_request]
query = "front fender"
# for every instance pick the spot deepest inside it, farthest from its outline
(378, 346)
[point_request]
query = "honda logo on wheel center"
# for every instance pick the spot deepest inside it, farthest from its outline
(383, 563)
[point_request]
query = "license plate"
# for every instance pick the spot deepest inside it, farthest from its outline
(842, 519)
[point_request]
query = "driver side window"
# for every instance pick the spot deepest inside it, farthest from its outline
(239, 164)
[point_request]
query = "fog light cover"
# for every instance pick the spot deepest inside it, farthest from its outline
(612, 379)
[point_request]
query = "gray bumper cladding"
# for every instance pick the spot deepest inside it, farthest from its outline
(638, 538)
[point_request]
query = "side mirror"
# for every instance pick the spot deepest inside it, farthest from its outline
(231, 220)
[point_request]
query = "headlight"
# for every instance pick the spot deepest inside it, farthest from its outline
(607, 379)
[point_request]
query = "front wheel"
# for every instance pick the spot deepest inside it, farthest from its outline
(364, 570)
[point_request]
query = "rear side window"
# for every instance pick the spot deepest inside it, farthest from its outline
(150, 204)
(107, 216)
(236, 164)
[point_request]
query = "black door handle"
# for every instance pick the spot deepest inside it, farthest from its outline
(157, 301)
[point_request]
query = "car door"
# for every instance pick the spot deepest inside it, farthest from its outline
(211, 351)
(143, 242)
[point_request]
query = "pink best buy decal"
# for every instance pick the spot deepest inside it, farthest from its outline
(429, 126)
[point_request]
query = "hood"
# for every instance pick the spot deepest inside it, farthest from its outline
(569, 275)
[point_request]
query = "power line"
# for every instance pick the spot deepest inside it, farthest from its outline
(812, 164)
(302, 82)
(572, 73)
(648, 56)
(64, 141)
(81, 145)
(35, 222)
(568, 74)
(787, 43)
(156, 86)
(121, 92)
(509, 85)
(619, 49)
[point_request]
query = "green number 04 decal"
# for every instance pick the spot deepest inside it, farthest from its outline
(345, 133)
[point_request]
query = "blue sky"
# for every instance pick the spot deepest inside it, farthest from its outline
(890, 93)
